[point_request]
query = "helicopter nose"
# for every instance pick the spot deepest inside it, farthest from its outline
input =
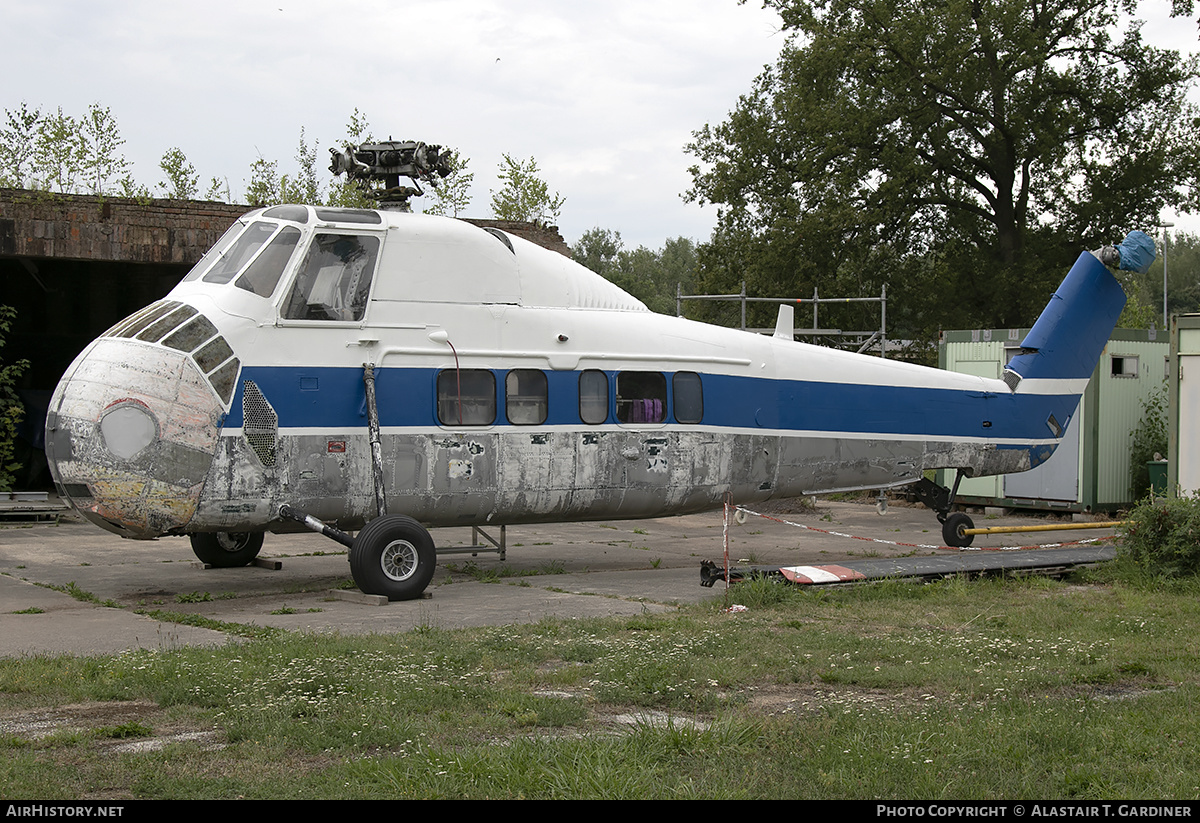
(134, 423)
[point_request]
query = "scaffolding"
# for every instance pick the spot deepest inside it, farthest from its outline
(861, 341)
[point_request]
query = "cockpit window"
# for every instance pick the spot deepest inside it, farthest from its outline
(348, 215)
(334, 278)
(240, 252)
(263, 274)
(297, 214)
(212, 254)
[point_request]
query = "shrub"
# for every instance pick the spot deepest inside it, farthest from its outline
(1163, 536)
(10, 406)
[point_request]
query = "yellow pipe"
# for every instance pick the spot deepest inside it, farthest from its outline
(1064, 527)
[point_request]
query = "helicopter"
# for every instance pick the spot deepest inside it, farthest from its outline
(371, 374)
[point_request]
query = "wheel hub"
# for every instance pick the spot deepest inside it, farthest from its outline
(399, 560)
(231, 542)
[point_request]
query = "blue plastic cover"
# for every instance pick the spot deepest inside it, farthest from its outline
(1137, 252)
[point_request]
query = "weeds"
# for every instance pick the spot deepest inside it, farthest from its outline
(193, 597)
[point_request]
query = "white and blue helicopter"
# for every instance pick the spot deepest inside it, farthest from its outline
(382, 372)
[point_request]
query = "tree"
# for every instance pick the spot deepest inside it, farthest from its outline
(598, 249)
(58, 153)
(55, 151)
(182, 180)
(961, 152)
(654, 277)
(263, 186)
(100, 140)
(1182, 259)
(524, 195)
(17, 140)
(303, 188)
(218, 190)
(453, 194)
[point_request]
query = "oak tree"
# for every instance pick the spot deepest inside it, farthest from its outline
(962, 152)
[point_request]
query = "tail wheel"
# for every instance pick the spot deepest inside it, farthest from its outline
(227, 549)
(394, 556)
(952, 530)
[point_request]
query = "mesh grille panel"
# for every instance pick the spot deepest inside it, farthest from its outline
(260, 424)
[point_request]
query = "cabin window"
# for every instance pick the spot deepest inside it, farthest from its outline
(526, 397)
(593, 397)
(641, 397)
(263, 274)
(240, 253)
(334, 278)
(466, 397)
(689, 397)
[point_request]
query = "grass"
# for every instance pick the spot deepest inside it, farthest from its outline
(986, 689)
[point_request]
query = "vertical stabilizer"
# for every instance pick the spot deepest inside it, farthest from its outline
(1066, 341)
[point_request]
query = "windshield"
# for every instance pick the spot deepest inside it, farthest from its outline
(237, 255)
(263, 274)
(212, 254)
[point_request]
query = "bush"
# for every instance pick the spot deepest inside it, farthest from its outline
(11, 409)
(1163, 536)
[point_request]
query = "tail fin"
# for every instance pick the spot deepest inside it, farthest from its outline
(1068, 338)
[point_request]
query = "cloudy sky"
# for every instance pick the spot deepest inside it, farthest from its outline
(604, 94)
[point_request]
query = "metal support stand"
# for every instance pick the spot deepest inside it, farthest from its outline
(499, 546)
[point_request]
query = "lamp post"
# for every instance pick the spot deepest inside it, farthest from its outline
(1164, 227)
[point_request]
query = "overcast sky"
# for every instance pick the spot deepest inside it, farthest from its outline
(604, 94)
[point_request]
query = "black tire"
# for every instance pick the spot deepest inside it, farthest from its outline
(226, 550)
(952, 530)
(394, 556)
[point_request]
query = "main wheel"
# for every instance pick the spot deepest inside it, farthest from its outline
(952, 530)
(227, 549)
(394, 556)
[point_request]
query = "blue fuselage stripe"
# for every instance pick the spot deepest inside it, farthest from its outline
(333, 398)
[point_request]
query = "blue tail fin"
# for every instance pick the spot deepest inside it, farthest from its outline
(1068, 338)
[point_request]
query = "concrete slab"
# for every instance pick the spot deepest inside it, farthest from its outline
(573, 570)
